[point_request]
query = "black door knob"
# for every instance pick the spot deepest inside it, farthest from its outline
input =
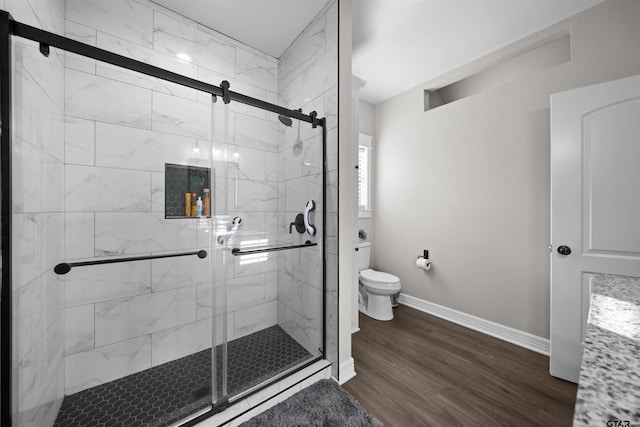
(564, 250)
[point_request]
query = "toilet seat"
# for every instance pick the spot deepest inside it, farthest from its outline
(379, 280)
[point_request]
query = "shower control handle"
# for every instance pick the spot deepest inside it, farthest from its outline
(298, 223)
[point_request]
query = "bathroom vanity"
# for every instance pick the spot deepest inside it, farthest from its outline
(609, 385)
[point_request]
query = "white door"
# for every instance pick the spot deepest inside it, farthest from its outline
(595, 205)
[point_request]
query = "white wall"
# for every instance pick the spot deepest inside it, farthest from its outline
(346, 233)
(366, 117)
(470, 180)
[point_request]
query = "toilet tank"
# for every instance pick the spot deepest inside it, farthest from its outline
(364, 255)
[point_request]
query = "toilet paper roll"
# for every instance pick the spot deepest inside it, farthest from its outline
(423, 263)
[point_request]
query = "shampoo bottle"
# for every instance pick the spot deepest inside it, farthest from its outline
(199, 207)
(187, 204)
(206, 201)
(194, 206)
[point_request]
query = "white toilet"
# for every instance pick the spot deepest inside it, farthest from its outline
(376, 287)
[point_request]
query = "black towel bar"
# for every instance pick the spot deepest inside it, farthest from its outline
(65, 267)
(238, 251)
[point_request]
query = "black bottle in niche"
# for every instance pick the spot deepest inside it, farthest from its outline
(179, 180)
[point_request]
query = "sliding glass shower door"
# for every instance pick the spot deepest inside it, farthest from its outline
(113, 229)
(269, 237)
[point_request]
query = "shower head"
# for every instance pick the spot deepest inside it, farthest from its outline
(285, 120)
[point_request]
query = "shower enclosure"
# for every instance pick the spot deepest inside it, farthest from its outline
(163, 238)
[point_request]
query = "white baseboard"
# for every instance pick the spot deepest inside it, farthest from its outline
(505, 333)
(347, 370)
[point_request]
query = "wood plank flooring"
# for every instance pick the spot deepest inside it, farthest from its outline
(420, 370)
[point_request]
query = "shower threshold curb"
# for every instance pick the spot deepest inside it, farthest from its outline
(264, 399)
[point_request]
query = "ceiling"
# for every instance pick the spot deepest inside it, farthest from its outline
(397, 44)
(267, 25)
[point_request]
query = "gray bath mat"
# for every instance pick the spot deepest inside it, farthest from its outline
(324, 404)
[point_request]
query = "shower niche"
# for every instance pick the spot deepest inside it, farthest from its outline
(181, 182)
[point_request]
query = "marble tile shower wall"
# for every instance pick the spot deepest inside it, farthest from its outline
(38, 218)
(120, 129)
(308, 78)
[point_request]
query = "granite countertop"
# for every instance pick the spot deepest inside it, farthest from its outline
(609, 385)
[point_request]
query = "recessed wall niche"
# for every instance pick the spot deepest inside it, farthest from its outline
(524, 61)
(180, 180)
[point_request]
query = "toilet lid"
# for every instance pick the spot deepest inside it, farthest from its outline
(378, 276)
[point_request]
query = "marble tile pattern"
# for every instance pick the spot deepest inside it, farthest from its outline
(91, 189)
(92, 97)
(79, 329)
(106, 363)
(128, 19)
(609, 384)
(307, 76)
(99, 283)
(79, 139)
(211, 51)
(38, 218)
(125, 147)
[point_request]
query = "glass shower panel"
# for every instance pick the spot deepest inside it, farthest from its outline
(223, 230)
(118, 264)
(301, 279)
(274, 272)
(38, 221)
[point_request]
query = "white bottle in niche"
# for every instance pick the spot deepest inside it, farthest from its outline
(199, 207)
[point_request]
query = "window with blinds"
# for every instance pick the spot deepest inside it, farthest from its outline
(365, 147)
(363, 177)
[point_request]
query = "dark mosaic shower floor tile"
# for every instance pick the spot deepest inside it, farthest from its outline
(167, 393)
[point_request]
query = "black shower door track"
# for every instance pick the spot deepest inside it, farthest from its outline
(9, 27)
(47, 39)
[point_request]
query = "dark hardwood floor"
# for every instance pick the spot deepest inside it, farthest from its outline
(420, 370)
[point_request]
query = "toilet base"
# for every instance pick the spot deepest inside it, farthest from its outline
(378, 307)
